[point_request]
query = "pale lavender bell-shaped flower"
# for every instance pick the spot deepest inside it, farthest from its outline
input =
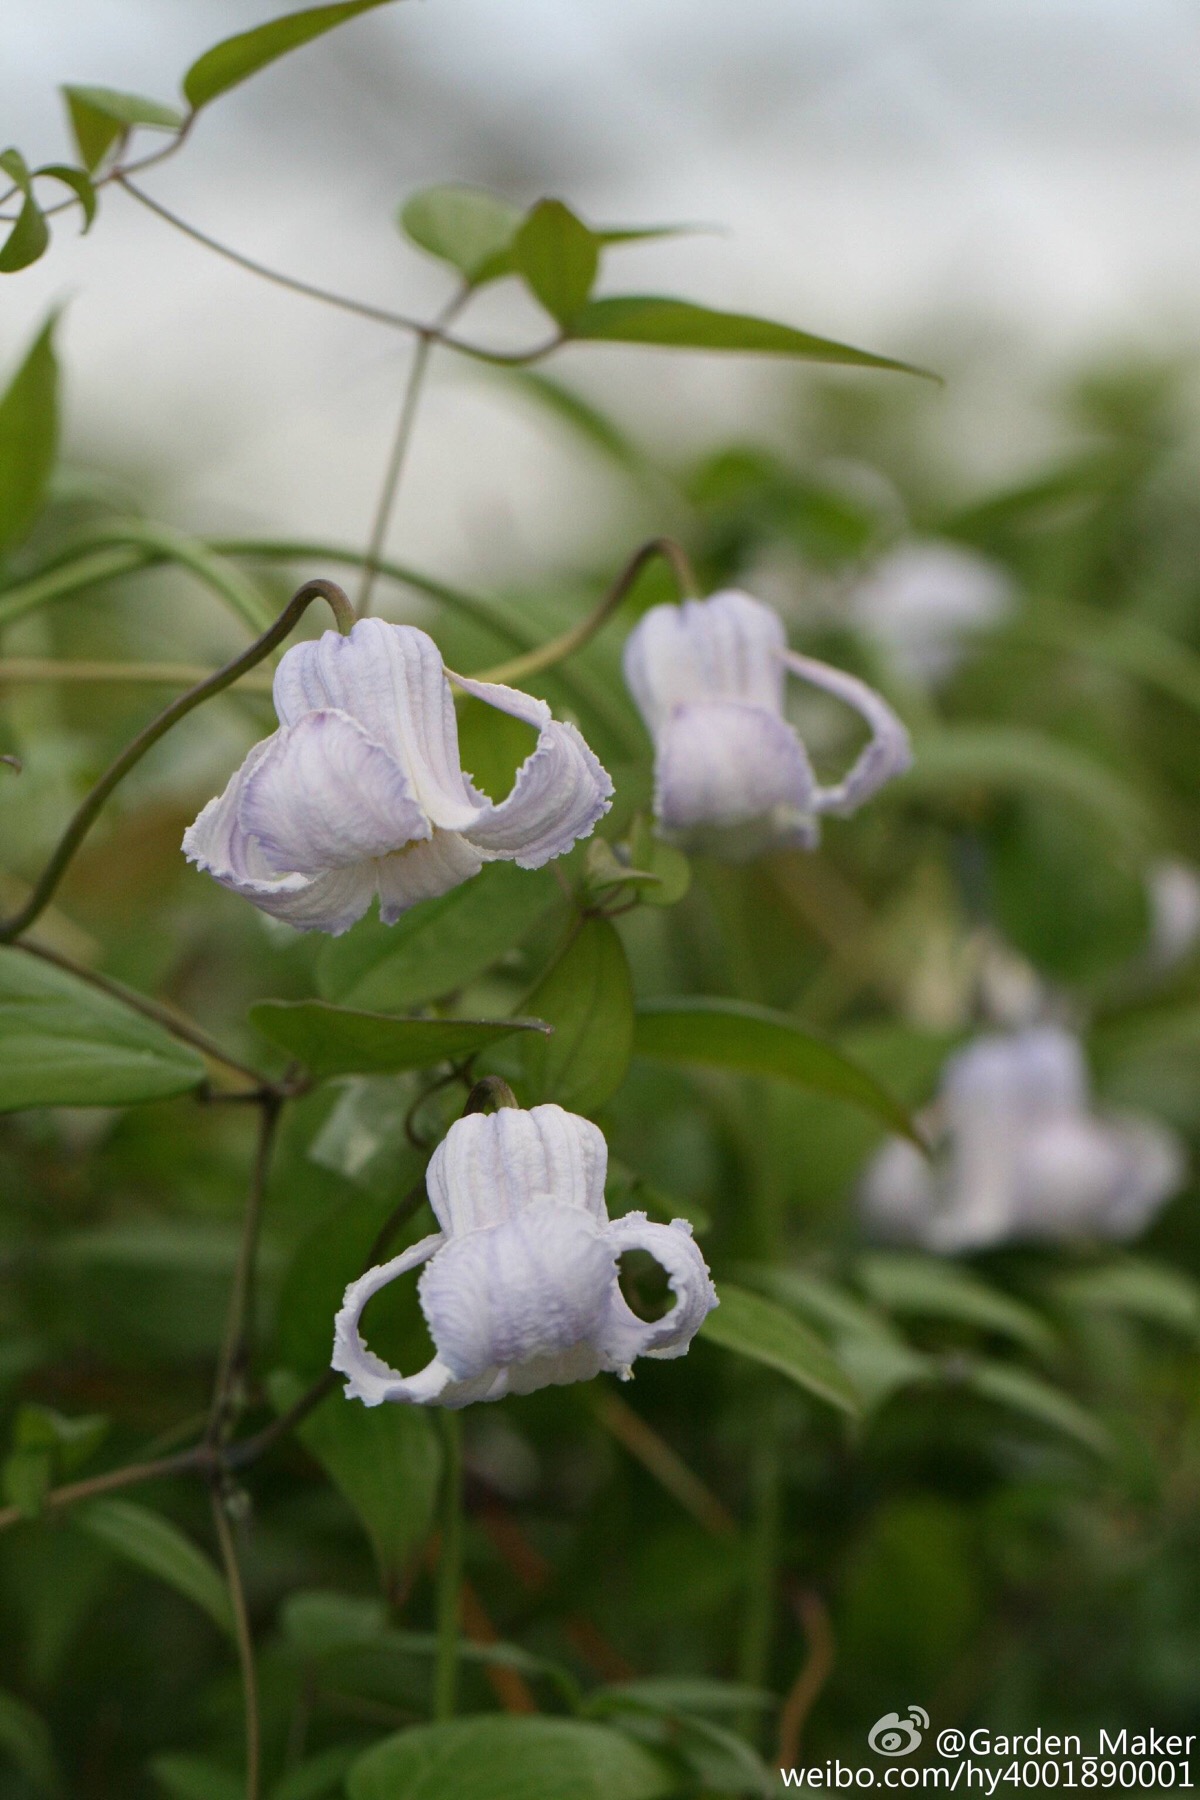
(1021, 1155)
(361, 791)
(731, 776)
(521, 1285)
(925, 599)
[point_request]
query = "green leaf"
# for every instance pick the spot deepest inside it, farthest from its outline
(1027, 1394)
(234, 59)
(672, 867)
(875, 1357)
(496, 1758)
(196, 1778)
(317, 1775)
(751, 1040)
(27, 1477)
(28, 436)
(25, 1741)
(319, 1622)
(757, 1328)
(64, 1043)
(1143, 1290)
(70, 1442)
(938, 1290)
(30, 235)
(336, 1040)
(156, 1546)
(678, 324)
(1009, 758)
(464, 226)
(440, 945)
(558, 258)
(674, 1694)
(385, 1460)
(586, 995)
(101, 116)
(80, 184)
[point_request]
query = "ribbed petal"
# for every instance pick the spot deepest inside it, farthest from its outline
(490, 1166)
(624, 1336)
(560, 791)
(532, 1288)
(423, 870)
(392, 680)
(723, 767)
(887, 753)
(727, 647)
(324, 796)
(368, 1377)
(218, 844)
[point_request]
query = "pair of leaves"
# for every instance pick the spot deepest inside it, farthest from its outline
(558, 258)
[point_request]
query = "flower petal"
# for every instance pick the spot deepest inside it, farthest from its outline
(218, 844)
(625, 1336)
(392, 680)
(369, 1378)
(887, 753)
(727, 647)
(531, 1288)
(423, 870)
(324, 796)
(560, 791)
(490, 1166)
(722, 766)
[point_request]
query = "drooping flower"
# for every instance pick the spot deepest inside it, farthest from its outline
(1021, 1154)
(521, 1285)
(923, 600)
(731, 776)
(361, 791)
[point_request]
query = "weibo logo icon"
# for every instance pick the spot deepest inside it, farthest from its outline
(894, 1736)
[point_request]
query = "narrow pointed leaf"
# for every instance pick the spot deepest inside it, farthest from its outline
(30, 234)
(158, 1547)
(932, 1289)
(80, 184)
(1035, 1399)
(335, 1040)
(681, 325)
(558, 257)
(756, 1327)
(751, 1040)
(235, 59)
(28, 436)
(183, 1777)
(63, 1043)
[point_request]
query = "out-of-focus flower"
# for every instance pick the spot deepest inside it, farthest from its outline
(731, 776)
(1021, 1155)
(521, 1289)
(924, 599)
(361, 791)
(1173, 890)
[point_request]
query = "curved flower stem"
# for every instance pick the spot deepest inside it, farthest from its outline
(403, 438)
(85, 817)
(245, 1643)
(559, 648)
(176, 1023)
(450, 1569)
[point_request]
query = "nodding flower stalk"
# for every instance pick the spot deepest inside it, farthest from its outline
(361, 790)
(1021, 1154)
(520, 1285)
(731, 776)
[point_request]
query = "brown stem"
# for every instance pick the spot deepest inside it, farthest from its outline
(558, 649)
(814, 1673)
(85, 817)
(245, 1643)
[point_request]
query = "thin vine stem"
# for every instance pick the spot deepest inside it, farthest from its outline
(245, 1644)
(235, 1349)
(86, 815)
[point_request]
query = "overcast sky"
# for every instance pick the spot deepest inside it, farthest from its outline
(878, 167)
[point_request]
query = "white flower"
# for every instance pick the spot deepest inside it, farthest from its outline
(361, 790)
(1022, 1155)
(731, 776)
(922, 600)
(521, 1288)
(1173, 891)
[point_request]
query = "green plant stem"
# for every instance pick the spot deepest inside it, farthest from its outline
(235, 1349)
(19, 670)
(245, 1643)
(450, 1569)
(65, 577)
(47, 884)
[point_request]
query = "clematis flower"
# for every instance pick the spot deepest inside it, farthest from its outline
(923, 601)
(361, 792)
(520, 1287)
(1022, 1155)
(731, 776)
